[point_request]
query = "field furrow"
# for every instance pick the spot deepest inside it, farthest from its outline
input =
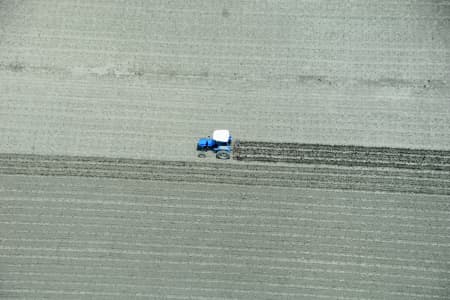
(343, 155)
(243, 174)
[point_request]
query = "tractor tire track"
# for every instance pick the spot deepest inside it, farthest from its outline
(324, 177)
(343, 155)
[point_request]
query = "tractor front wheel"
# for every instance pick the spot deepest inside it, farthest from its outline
(223, 154)
(201, 154)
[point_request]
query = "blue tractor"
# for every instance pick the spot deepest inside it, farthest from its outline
(220, 143)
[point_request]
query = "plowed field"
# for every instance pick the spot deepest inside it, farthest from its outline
(76, 228)
(340, 155)
(102, 195)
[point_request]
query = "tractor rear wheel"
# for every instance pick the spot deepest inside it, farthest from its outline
(223, 154)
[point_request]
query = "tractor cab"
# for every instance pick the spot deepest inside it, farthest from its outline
(219, 143)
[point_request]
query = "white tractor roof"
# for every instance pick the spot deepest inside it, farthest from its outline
(221, 135)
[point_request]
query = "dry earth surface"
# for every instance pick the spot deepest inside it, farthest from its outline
(146, 78)
(96, 238)
(84, 83)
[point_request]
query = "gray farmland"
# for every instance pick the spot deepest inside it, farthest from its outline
(339, 189)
